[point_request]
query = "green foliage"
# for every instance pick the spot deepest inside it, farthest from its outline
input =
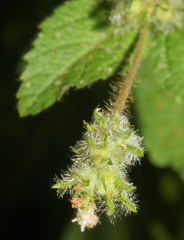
(167, 62)
(73, 48)
(77, 46)
(161, 121)
(135, 150)
(62, 185)
(130, 205)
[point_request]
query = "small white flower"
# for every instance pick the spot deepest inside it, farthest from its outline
(86, 218)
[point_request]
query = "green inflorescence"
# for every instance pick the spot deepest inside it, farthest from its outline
(163, 15)
(97, 180)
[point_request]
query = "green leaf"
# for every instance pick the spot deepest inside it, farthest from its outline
(127, 134)
(62, 185)
(130, 205)
(137, 151)
(128, 188)
(104, 140)
(167, 59)
(115, 119)
(110, 206)
(74, 48)
(74, 150)
(161, 121)
(90, 128)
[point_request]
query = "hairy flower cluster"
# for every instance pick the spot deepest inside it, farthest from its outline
(164, 15)
(97, 180)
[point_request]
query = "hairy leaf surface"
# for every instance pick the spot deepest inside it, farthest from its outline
(161, 121)
(167, 58)
(75, 47)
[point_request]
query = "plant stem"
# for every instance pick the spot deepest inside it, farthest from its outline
(124, 91)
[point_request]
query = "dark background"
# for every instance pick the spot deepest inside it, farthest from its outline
(34, 149)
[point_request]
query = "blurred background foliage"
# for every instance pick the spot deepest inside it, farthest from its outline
(34, 149)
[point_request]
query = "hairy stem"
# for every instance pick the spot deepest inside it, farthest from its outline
(124, 91)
